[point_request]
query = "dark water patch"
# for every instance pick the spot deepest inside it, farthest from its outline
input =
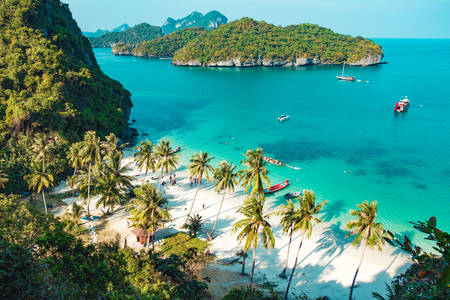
(419, 186)
(391, 169)
(360, 172)
(299, 150)
(367, 153)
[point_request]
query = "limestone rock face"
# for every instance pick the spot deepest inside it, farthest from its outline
(368, 60)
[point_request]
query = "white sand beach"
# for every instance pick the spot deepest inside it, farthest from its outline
(327, 260)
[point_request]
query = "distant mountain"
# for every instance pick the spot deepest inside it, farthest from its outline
(210, 21)
(123, 27)
(133, 36)
(101, 32)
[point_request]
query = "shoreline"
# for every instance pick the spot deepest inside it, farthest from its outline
(327, 260)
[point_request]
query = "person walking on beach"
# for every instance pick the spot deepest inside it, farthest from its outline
(203, 205)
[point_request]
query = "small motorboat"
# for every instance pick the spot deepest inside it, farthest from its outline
(293, 195)
(276, 187)
(402, 105)
(283, 118)
(178, 149)
(343, 77)
(272, 161)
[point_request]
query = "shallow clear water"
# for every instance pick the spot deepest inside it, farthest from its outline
(344, 136)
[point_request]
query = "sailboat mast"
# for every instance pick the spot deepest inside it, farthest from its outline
(343, 66)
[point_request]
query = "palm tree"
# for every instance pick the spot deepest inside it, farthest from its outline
(305, 216)
(226, 178)
(3, 179)
(144, 157)
(39, 180)
(254, 222)
(289, 218)
(255, 173)
(110, 146)
(40, 147)
(199, 166)
(90, 153)
(76, 212)
(113, 166)
(193, 225)
(366, 229)
(75, 161)
(148, 210)
(166, 158)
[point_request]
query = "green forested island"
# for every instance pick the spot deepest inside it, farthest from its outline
(247, 42)
(100, 32)
(50, 83)
(135, 35)
(164, 46)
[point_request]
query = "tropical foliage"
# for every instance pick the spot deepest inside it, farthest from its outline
(249, 40)
(193, 224)
(255, 173)
(135, 35)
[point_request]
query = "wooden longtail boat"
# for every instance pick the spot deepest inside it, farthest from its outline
(276, 187)
(175, 150)
(272, 161)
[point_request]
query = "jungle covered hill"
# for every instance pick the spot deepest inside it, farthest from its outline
(247, 42)
(50, 82)
(164, 46)
(134, 36)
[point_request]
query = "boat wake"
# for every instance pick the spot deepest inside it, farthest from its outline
(295, 168)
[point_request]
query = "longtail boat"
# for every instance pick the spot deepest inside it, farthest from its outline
(175, 150)
(272, 161)
(402, 105)
(276, 187)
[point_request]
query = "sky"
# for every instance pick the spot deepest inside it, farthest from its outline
(368, 18)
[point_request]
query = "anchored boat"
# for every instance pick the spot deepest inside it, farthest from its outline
(283, 118)
(343, 77)
(276, 187)
(402, 105)
(293, 195)
(272, 161)
(178, 149)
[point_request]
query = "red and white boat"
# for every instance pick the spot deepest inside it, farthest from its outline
(276, 187)
(402, 105)
(178, 149)
(272, 161)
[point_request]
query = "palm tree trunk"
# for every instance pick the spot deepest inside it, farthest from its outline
(357, 270)
(73, 186)
(217, 218)
(153, 233)
(283, 273)
(43, 199)
(243, 263)
(89, 191)
(148, 242)
(192, 205)
(293, 269)
(254, 258)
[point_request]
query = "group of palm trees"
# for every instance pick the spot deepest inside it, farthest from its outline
(98, 170)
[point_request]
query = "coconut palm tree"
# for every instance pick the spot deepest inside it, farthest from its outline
(144, 157)
(90, 153)
(110, 192)
(255, 221)
(166, 158)
(367, 230)
(77, 212)
(113, 166)
(289, 217)
(148, 210)
(255, 173)
(226, 179)
(40, 147)
(75, 161)
(193, 225)
(305, 218)
(39, 180)
(3, 179)
(199, 166)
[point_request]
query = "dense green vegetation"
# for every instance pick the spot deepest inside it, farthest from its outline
(135, 35)
(40, 260)
(211, 20)
(250, 40)
(164, 46)
(50, 82)
(100, 32)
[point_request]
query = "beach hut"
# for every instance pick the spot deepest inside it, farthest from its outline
(141, 235)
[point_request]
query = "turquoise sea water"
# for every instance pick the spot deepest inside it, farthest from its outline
(344, 136)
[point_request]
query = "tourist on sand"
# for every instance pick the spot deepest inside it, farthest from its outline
(203, 205)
